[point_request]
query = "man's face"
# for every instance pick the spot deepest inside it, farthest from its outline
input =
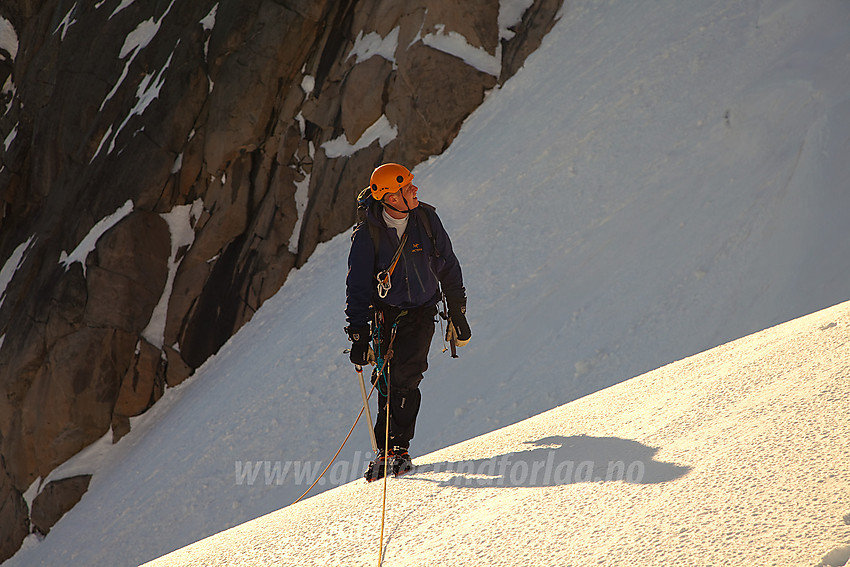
(409, 193)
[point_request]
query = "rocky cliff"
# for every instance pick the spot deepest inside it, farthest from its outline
(165, 164)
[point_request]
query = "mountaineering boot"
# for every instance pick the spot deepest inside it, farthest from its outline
(401, 462)
(377, 467)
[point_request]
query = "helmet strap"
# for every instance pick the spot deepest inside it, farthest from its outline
(397, 210)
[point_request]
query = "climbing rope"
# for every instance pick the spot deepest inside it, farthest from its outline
(386, 470)
(350, 431)
(385, 372)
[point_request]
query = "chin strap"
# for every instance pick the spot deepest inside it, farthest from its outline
(397, 210)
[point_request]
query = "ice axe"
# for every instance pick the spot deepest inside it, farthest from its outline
(450, 335)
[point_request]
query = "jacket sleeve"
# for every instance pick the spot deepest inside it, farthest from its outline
(448, 269)
(360, 281)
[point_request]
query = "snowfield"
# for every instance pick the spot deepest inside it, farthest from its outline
(736, 456)
(659, 179)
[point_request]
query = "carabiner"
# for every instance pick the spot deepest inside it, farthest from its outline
(384, 284)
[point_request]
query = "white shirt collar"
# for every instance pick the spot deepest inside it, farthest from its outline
(400, 225)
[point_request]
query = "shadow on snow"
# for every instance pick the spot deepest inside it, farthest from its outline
(554, 461)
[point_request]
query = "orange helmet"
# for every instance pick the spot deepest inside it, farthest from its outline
(389, 178)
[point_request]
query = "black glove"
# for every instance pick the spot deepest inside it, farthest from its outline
(458, 325)
(361, 352)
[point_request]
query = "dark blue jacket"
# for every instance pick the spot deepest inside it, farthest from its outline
(417, 276)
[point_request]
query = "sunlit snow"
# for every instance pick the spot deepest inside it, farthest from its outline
(657, 180)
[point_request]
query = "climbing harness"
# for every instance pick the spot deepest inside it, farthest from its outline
(382, 360)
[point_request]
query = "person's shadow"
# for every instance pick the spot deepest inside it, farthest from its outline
(557, 460)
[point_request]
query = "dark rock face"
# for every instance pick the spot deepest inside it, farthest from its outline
(55, 499)
(165, 164)
(14, 517)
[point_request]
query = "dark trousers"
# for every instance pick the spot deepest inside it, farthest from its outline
(409, 362)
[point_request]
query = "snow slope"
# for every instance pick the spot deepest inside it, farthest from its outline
(736, 456)
(661, 178)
